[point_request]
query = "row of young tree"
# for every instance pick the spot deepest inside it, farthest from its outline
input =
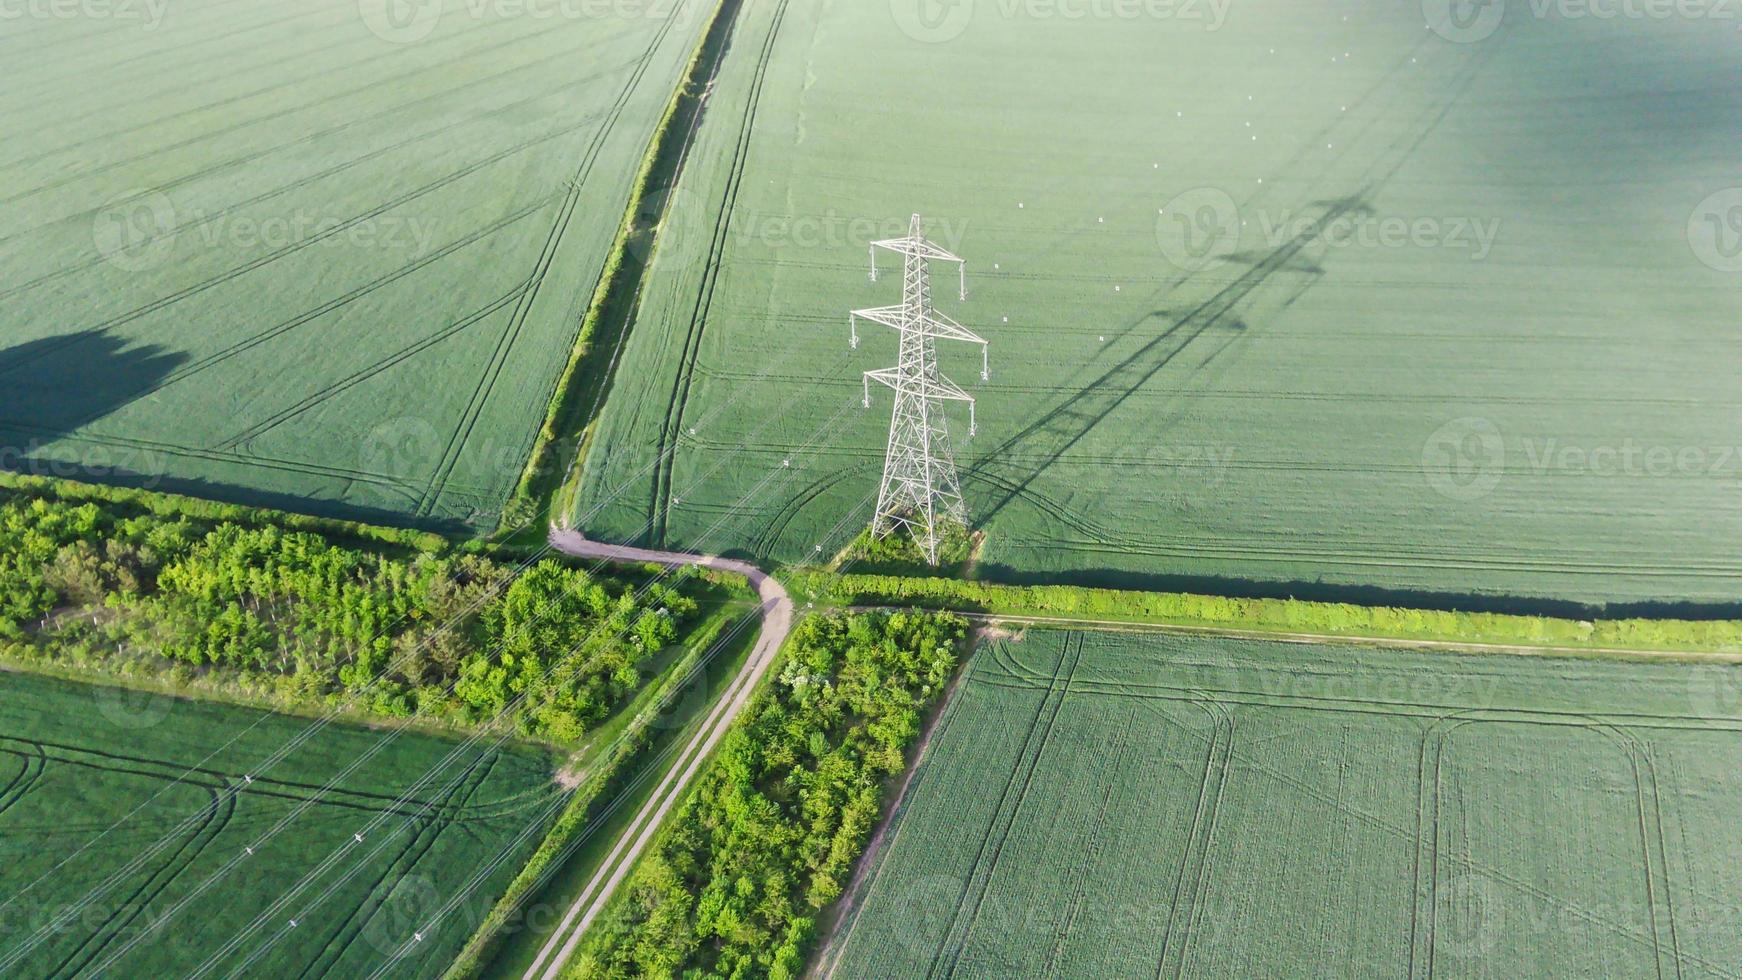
(769, 837)
(461, 637)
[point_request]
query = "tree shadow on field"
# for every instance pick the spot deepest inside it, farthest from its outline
(1012, 466)
(53, 386)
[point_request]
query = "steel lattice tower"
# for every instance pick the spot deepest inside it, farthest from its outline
(920, 486)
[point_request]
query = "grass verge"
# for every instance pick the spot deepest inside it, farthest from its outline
(580, 392)
(1280, 616)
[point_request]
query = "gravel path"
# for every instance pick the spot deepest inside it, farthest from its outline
(777, 616)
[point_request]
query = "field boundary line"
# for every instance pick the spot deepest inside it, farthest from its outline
(1346, 639)
(713, 263)
(1027, 762)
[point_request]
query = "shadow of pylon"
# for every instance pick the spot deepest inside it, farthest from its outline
(1064, 425)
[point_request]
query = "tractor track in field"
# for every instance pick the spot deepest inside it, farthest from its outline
(34, 763)
(1028, 761)
(777, 619)
(240, 441)
(206, 136)
(547, 257)
(215, 818)
(218, 168)
(429, 828)
(660, 505)
(327, 232)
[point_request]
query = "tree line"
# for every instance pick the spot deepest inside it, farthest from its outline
(295, 616)
(769, 836)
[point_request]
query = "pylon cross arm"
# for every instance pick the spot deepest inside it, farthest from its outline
(938, 387)
(916, 246)
(889, 316)
(939, 325)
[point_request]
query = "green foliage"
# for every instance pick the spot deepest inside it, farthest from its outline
(451, 637)
(899, 554)
(1272, 615)
(769, 836)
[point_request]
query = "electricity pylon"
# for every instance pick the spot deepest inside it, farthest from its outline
(920, 487)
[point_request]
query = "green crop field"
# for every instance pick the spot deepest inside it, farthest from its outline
(171, 886)
(1301, 297)
(1100, 804)
(325, 255)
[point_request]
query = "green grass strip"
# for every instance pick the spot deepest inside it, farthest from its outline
(1281, 616)
(569, 415)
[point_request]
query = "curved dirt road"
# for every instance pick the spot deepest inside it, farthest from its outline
(777, 614)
